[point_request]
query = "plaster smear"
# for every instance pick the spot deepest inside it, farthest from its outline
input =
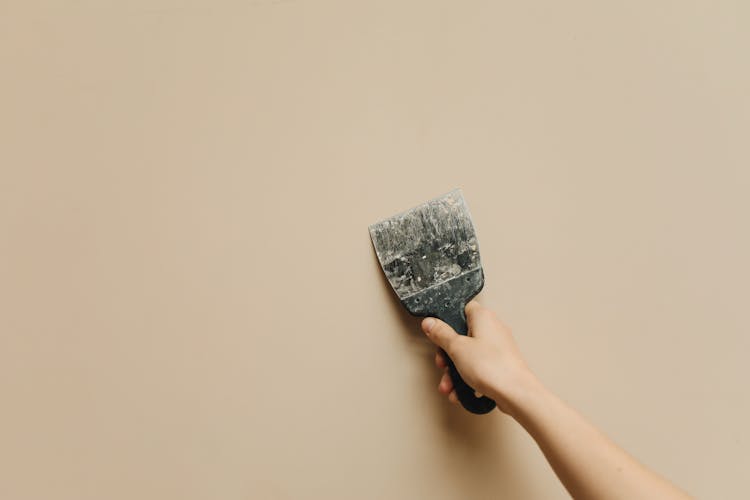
(427, 245)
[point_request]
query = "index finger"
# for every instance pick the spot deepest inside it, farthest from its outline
(478, 318)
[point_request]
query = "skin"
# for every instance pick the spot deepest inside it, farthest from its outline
(589, 465)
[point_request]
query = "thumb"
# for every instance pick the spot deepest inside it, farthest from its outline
(440, 333)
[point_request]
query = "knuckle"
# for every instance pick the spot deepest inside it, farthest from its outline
(472, 308)
(488, 314)
(502, 326)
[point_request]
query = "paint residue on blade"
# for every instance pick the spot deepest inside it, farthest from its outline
(427, 245)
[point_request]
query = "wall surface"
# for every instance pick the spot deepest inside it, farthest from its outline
(190, 307)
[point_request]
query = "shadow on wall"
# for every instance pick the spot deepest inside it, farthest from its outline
(478, 461)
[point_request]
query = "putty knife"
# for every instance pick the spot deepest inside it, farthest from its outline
(430, 256)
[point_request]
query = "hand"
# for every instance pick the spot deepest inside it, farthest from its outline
(586, 461)
(487, 359)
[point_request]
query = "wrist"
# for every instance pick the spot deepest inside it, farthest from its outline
(518, 393)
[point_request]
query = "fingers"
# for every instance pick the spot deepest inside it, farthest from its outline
(478, 318)
(471, 307)
(453, 398)
(440, 360)
(446, 387)
(446, 384)
(441, 334)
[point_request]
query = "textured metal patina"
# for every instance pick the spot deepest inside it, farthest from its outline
(427, 245)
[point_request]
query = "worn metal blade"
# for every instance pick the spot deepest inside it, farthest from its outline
(427, 245)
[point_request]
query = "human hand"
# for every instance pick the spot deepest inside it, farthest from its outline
(487, 359)
(586, 461)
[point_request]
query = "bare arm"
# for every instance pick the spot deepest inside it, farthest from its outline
(586, 461)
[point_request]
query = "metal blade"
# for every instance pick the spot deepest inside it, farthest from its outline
(427, 245)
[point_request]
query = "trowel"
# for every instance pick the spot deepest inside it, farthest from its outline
(430, 256)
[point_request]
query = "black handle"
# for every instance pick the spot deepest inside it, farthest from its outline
(465, 393)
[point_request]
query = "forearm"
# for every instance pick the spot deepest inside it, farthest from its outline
(589, 464)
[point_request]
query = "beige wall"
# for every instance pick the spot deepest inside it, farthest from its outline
(190, 307)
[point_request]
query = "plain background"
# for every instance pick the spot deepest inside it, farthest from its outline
(190, 307)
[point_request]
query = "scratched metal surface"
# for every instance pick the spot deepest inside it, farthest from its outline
(427, 245)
